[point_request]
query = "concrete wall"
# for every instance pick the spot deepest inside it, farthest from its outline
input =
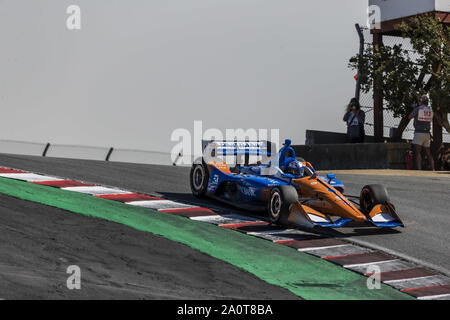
(327, 137)
(355, 156)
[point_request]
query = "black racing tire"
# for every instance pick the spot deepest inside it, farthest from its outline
(280, 200)
(199, 177)
(371, 195)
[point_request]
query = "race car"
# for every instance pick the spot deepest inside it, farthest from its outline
(285, 188)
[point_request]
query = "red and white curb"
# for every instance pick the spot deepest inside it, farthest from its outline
(407, 277)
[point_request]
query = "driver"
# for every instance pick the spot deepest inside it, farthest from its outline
(294, 167)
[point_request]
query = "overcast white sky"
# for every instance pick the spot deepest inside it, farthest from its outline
(139, 69)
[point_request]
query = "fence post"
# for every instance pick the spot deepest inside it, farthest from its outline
(44, 153)
(109, 153)
(176, 159)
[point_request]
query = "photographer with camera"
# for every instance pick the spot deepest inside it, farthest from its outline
(355, 119)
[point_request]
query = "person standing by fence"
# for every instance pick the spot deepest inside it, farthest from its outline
(355, 119)
(423, 116)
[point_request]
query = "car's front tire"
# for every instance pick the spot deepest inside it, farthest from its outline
(371, 195)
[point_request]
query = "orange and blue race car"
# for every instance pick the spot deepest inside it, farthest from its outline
(285, 188)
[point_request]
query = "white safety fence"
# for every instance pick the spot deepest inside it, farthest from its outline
(140, 156)
(86, 152)
(77, 152)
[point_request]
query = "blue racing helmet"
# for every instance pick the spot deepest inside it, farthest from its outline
(294, 167)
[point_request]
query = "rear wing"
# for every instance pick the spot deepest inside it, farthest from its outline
(238, 152)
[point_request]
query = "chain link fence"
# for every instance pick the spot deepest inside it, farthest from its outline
(366, 99)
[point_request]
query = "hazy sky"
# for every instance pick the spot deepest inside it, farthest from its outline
(138, 69)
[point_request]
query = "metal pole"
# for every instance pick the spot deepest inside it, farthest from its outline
(361, 52)
(44, 153)
(176, 159)
(109, 153)
(378, 121)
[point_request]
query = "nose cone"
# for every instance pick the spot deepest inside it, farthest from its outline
(351, 212)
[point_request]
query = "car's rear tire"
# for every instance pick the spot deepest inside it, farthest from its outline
(280, 200)
(371, 195)
(199, 178)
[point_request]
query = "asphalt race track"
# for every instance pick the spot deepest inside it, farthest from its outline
(422, 203)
